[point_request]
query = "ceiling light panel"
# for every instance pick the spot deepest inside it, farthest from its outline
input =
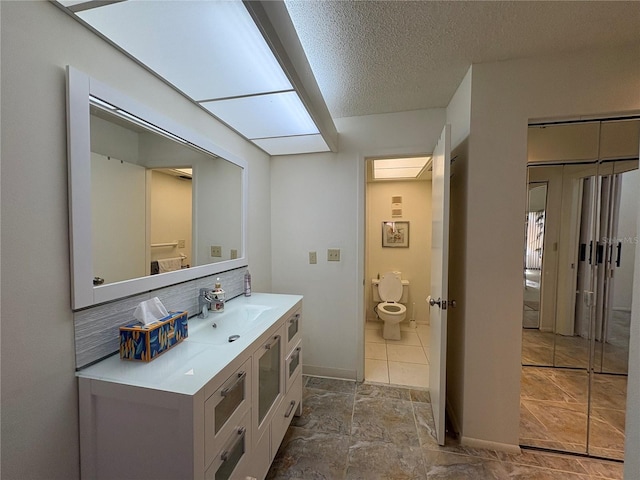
(293, 145)
(207, 49)
(394, 168)
(271, 115)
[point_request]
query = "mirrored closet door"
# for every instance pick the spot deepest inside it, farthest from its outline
(581, 236)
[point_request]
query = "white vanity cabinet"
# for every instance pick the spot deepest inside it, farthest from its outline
(277, 387)
(206, 409)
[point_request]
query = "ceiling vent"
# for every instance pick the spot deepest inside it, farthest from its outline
(396, 206)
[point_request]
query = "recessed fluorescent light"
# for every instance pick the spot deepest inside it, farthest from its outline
(263, 116)
(293, 145)
(399, 168)
(207, 49)
(216, 54)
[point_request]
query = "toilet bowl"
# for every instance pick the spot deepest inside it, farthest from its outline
(390, 290)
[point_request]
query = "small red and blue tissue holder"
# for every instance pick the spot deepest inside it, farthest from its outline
(146, 342)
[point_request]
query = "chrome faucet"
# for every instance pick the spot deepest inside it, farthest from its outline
(204, 302)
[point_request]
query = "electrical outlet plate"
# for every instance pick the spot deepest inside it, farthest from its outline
(313, 258)
(333, 255)
(216, 251)
(181, 244)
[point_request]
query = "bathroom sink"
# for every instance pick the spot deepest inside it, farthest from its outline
(232, 323)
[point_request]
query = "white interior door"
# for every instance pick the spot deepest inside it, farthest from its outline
(439, 279)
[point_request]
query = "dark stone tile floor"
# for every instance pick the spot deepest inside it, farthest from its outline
(376, 432)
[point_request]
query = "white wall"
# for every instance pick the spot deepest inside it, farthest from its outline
(459, 112)
(170, 215)
(317, 202)
(414, 262)
(632, 428)
(39, 400)
(218, 184)
(505, 95)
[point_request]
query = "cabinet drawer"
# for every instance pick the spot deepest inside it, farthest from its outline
(235, 455)
(290, 406)
(224, 409)
(293, 366)
(292, 327)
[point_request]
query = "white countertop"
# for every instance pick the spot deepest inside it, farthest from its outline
(188, 366)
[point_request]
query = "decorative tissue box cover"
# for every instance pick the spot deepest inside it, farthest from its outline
(140, 342)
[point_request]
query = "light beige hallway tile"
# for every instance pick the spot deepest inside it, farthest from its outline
(372, 325)
(373, 336)
(406, 353)
(424, 334)
(427, 352)
(401, 373)
(376, 370)
(376, 351)
(408, 338)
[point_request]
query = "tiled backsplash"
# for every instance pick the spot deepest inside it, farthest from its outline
(97, 328)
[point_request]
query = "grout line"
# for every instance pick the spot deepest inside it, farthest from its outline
(353, 410)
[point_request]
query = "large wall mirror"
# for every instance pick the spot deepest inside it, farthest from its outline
(152, 203)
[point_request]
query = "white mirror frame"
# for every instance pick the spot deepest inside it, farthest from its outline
(84, 294)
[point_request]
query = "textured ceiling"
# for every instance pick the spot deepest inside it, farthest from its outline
(387, 56)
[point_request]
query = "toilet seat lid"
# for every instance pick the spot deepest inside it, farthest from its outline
(390, 287)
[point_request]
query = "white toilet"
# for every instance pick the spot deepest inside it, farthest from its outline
(391, 292)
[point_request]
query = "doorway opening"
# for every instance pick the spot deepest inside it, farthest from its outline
(578, 285)
(398, 239)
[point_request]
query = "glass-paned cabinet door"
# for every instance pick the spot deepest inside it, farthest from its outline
(269, 386)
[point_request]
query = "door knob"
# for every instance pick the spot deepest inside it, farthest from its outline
(443, 304)
(433, 302)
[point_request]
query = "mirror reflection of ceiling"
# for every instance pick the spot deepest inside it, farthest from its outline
(215, 54)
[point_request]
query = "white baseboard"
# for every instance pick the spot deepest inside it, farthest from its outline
(339, 373)
(486, 444)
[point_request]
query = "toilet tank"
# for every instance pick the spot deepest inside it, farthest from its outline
(376, 295)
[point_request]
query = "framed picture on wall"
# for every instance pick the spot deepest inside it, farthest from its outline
(395, 234)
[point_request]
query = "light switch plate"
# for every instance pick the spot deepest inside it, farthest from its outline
(234, 253)
(313, 258)
(333, 255)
